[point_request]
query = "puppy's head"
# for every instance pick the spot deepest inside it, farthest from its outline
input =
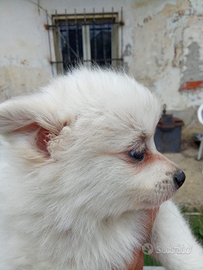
(89, 136)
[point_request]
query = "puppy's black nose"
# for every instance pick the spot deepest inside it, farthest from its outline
(179, 179)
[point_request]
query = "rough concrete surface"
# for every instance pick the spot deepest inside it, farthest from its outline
(191, 193)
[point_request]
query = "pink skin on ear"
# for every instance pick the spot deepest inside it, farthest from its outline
(42, 138)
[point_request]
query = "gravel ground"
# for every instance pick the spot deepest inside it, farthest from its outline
(191, 193)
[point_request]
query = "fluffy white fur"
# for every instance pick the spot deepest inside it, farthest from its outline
(71, 196)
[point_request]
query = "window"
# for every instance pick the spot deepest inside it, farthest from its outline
(87, 39)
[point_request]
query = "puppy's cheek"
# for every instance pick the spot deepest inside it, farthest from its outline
(164, 171)
(160, 185)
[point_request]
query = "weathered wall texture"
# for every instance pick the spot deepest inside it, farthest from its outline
(163, 42)
(24, 54)
(167, 50)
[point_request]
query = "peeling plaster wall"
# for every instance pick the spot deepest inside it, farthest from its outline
(167, 49)
(162, 45)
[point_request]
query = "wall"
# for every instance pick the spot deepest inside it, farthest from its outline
(167, 50)
(24, 54)
(162, 45)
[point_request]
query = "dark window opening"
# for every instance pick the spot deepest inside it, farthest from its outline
(86, 39)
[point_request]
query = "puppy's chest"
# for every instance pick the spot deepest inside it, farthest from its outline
(107, 245)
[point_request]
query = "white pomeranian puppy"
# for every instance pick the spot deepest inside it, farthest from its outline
(78, 169)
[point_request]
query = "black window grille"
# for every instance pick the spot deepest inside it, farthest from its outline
(88, 39)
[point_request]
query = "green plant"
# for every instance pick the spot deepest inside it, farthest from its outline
(196, 224)
(149, 261)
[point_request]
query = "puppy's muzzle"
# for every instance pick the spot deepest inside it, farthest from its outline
(179, 179)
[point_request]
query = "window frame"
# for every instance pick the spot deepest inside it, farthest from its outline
(86, 20)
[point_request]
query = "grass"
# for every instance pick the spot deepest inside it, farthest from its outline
(149, 261)
(196, 225)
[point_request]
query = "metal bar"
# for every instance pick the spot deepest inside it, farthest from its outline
(52, 69)
(84, 37)
(67, 37)
(103, 39)
(95, 41)
(102, 59)
(77, 43)
(80, 23)
(59, 35)
(113, 40)
(86, 42)
(80, 16)
(122, 35)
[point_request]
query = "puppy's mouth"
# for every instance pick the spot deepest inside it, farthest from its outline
(165, 189)
(150, 199)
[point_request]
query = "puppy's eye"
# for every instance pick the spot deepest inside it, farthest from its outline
(138, 155)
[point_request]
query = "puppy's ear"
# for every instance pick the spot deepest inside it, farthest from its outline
(36, 117)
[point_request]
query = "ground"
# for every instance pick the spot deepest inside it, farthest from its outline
(191, 193)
